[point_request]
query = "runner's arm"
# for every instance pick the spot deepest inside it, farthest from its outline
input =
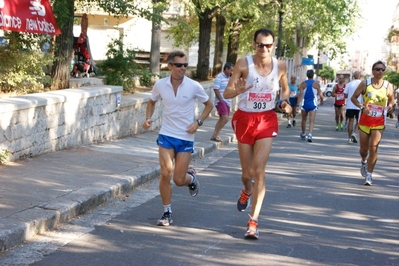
(148, 114)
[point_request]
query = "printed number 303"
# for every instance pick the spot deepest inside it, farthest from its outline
(259, 105)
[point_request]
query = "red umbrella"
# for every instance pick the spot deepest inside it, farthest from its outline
(33, 16)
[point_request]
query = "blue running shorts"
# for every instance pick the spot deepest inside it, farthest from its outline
(178, 145)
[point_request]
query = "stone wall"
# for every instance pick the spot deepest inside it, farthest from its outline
(38, 123)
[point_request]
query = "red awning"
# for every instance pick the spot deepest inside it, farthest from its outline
(33, 16)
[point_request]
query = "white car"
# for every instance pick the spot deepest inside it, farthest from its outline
(323, 88)
(329, 89)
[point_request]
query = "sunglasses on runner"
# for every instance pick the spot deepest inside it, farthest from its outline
(379, 69)
(179, 65)
(261, 45)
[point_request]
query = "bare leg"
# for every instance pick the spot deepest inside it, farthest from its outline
(303, 123)
(375, 138)
(364, 145)
(336, 116)
(223, 119)
(312, 116)
(253, 163)
(350, 127)
(180, 176)
(166, 157)
(342, 110)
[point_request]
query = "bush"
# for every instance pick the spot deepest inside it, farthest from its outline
(120, 69)
(21, 64)
(145, 77)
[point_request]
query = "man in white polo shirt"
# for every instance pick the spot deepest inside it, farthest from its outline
(176, 136)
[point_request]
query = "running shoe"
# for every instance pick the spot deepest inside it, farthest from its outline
(368, 180)
(252, 229)
(194, 186)
(354, 138)
(346, 125)
(363, 169)
(166, 219)
(337, 127)
(350, 141)
(289, 125)
(397, 124)
(341, 126)
(310, 138)
(303, 136)
(294, 123)
(243, 201)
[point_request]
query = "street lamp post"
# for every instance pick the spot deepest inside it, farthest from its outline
(318, 63)
(280, 28)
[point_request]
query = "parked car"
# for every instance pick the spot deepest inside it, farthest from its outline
(329, 89)
(323, 88)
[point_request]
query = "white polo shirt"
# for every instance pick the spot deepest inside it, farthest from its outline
(178, 111)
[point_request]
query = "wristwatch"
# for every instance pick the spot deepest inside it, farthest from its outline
(199, 122)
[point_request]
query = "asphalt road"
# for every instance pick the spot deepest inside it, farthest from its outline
(316, 212)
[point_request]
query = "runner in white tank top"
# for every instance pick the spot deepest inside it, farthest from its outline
(255, 81)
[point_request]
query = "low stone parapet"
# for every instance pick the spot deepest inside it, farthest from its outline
(39, 123)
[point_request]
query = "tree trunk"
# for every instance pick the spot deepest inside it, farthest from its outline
(155, 48)
(205, 27)
(234, 41)
(219, 45)
(155, 44)
(60, 72)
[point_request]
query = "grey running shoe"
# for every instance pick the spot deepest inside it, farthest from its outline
(166, 219)
(397, 124)
(354, 138)
(243, 201)
(310, 138)
(363, 169)
(195, 185)
(368, 180)
(303, 136)
(252, 230)
(350, 141)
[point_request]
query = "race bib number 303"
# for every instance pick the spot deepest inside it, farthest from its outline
(260, 101)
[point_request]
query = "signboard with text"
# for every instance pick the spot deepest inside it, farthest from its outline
(32, 16)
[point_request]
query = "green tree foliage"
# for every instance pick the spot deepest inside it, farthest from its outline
(323, 23)
(327, 73)
(119, 67)
(64, 12)
(22, 64)
(392, 77)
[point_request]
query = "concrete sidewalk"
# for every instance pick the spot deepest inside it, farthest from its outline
(38, 193)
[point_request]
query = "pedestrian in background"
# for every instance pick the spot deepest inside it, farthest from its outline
(255, 81)
(307, 101)
(378, 101)
(294, 92)
(352, 111)
(339, 102)
(397, 107)
(176, 136)
(222, 105)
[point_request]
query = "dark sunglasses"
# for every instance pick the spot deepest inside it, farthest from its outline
(179, 65)
(379, 69)
(261, 45)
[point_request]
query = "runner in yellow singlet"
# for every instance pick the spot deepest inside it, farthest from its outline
(378, 100)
